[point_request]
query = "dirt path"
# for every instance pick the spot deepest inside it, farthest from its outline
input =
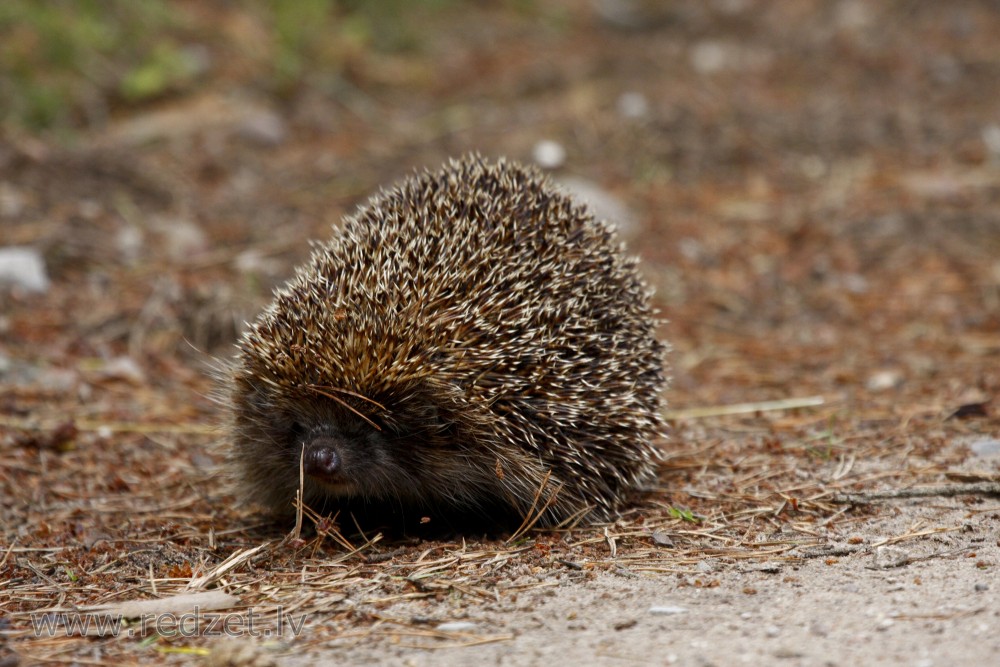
(923, 601)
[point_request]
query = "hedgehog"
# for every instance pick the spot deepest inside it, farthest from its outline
(471, 340)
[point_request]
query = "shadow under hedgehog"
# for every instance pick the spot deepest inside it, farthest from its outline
(471, 341)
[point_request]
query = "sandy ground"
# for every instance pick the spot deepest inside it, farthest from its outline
(917, 589)
(938, 610)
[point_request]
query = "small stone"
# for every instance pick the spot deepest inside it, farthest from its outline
(852, 15)
(24, 268)
(786, 652)
(887, 557)
(662, 539)
(456, 626)
(253, 262)
(181, 238)
(603, 204)
(985, 447)
(991, 137)
(123, 368)
(90, 209)
(883, 380)
(813, 167)
(264, 127)
(705, 566)
(238, 653)
(130, 243)
(855, 283)
(11, 201)
(549, 154)
(708, 57)
(632, 14)
(666, 610)
(819, 629)
(772, 631)
(691, 248)
(633, 105)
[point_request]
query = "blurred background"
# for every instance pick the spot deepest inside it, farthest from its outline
(813, 185)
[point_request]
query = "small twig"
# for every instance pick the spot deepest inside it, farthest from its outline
(152, 580)
(531, 518)
(744, 408)
(322, 391)
(612, 542)
(907, 560)
(980, 488)
(297, 531)
(825, 551)
(236, 559)
(570, 564)
(9, 550)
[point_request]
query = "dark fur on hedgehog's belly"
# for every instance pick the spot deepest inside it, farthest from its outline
(418, 519)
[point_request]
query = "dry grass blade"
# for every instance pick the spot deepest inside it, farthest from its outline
(532, 517)
(231, 563)
(974, 489)
(323, 392)
(296, 533)
(174, 604)
(350, 393)
(744, 408)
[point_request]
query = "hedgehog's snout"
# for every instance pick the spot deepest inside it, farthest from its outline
(322, 459)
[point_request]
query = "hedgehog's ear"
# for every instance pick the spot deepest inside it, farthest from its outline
(430, 417)
(426, 409)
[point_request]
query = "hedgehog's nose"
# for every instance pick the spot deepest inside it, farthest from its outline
(322, 459)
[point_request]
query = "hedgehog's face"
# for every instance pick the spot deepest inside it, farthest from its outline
(342, 455)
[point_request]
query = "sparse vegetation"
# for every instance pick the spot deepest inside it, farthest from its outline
(67, 64)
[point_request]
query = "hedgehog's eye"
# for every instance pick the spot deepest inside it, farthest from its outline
(296, 432)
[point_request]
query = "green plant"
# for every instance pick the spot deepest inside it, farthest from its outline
(61, 60)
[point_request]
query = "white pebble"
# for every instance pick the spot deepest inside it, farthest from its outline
(708, 57)
(985, 447)
(11, 201)
(23, 267)
(883, 380)
(129, 240)
(991, 137)
(124, 368)
(667, 610)
(265, 128)
(456, 626)
(603, 204)
(633, 105)
(181, 237)
(549, 154)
